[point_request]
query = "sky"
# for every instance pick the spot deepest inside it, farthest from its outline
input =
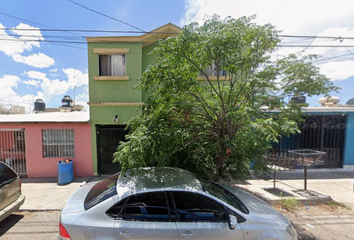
(43, 50)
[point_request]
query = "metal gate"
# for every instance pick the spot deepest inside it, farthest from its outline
(108, 138)
(13, 149)
(321, 132)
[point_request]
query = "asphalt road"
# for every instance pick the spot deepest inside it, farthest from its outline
(316, 223)
(25, 225)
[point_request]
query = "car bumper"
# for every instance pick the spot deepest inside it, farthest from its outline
(13, 207)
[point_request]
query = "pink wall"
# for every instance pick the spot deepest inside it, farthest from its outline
(7, 140)
(37, 166)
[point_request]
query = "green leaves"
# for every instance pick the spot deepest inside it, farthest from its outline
(217, 127)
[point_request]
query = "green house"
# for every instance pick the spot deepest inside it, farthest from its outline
(115, 64)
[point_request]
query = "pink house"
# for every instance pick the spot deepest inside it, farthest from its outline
(34, 143)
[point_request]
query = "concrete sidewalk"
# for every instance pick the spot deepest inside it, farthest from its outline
(337, 184)
(44, 194)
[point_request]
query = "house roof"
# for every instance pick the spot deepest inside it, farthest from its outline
(55, 117)
(164, 31)
(332, 109)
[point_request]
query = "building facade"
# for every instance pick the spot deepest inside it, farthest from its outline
(115, 64)
(33, 144)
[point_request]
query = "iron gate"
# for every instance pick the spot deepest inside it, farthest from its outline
(319, 132)
(13, 149)
(108, 138)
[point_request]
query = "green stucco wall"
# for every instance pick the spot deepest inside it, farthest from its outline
(116, 90)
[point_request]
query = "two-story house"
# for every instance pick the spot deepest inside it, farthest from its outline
(115, 64)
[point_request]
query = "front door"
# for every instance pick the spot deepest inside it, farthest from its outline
(108, 139)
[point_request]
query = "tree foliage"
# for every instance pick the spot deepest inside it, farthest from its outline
(216, 126)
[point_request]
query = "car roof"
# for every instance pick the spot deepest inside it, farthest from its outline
(159, 178)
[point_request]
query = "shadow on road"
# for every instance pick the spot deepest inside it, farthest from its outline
(9, 222)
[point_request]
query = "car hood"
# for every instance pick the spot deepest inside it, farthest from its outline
(76, 202)
(257, 208)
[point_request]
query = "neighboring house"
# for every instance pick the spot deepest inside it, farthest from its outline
(329, 129)
(33, 144)
(115, 64)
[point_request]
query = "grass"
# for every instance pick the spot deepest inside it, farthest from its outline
(335, 204)
(289, 203)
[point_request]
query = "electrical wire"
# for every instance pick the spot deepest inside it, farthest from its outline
(105, 15)
(11, 16)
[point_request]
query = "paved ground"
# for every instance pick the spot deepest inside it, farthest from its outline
(45, 198)
(44, 194)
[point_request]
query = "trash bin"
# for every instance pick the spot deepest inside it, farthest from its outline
(65, 172)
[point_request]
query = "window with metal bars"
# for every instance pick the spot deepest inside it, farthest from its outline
(58, 143)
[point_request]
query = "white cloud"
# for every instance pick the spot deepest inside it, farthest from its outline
(50, 88)
(53, 70)
(32, 82)
(301, 17)
(55, 87)
(19, 40)
(16, 43)
(9, 97)
(338, 70)
(292, 17)
(8, 82)
(36, 75)
(75, 77)
(39, 60)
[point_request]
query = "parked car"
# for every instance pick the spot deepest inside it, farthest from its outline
(11, 197)
(168, 203)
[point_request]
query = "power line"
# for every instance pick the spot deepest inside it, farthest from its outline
(11, 16)
(153, 32)
(105, 15)
(317, 46)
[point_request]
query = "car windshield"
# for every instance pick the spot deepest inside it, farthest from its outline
(101, 191)
(223, 194)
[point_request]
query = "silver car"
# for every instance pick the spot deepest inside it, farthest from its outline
(168, 203)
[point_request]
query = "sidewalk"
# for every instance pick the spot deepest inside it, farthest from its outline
(44, 194)
(336, 184)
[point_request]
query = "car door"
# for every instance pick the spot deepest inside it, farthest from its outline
(145, 216)
(200, 217)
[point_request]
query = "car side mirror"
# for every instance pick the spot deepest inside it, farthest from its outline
(232, 222)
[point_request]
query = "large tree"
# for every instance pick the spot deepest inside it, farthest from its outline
(218, 125)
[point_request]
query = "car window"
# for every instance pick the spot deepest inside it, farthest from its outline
(196, 207)
(223, 194)
(101, 191)
(150, 206)
(6, 174)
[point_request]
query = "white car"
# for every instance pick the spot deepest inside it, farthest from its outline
(169, 203)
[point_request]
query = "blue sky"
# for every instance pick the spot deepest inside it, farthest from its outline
(49, 70)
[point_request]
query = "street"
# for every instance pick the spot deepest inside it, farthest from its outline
(313, 223)
(26, 225)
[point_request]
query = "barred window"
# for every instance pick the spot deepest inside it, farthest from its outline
(58, 143)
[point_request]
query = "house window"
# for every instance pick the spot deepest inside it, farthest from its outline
(58, 143)
(112, 65)
(211, 71)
